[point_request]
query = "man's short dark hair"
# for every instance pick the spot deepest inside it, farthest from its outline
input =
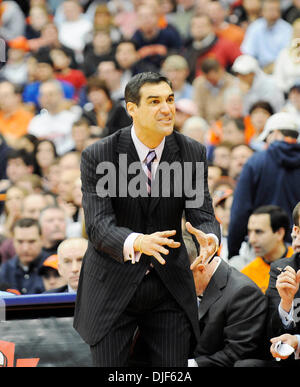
(262, 105)
(94, 83)
(210, 64)
(278, 217)
(132, 90)
(290, 133)
(296, 215)
(26, 223)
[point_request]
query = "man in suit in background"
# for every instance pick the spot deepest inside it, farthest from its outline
(232, 313)
(136, 270)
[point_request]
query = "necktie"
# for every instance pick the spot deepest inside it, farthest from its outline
(151, 156)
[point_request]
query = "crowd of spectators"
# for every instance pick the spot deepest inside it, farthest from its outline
(234, 66)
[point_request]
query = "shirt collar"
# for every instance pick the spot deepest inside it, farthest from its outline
(143, 150)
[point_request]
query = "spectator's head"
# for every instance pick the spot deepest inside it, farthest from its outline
(280, 127)
(202, 274)
(53, 225)
(222, 207)
(32, 205)
(296, 229)
(76, 192)
(271, 11)
(17, 49)
(98, 93)
(27, 240)
(185, 109)
(201, 27)
(49, 272)
(50, 33)
(221, 156)
(80, 133)
(70, 255)
(213, 174)
(65, 185)
(267, 227)
(31, 182)
(110, 72)
(44, 67)
(45, 153)
(176, 69)
(103, 19)
(38, 17)
(10, 97)
(72, 10)
(14, 200)
(69, 161)
(212, 70)
(126, 54)
(294, 96)
(238, 158)
(147, 19)
(233, 103)
(259, 112)
(234, 131)
(51, 96)
(19, 163)
(102, 42)
(196, 128)
(217, 11)
(61, 59)
(245, 67)
(27, 142)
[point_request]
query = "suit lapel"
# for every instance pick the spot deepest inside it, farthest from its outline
(169, 155)
(214, 289)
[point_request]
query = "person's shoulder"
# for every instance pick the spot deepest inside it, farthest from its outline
(182, 139)
(293, 261)
(241, 283)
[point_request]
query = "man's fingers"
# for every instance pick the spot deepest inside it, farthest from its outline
(158, 257)
(200, 235)
(161, 249)
(166, 233)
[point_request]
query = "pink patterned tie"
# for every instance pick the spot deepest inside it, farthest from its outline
(149, 160)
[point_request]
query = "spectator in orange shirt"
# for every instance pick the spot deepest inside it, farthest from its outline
(267, 227)
(14, 118)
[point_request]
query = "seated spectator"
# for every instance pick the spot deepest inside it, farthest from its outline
(213, 174)
(274, 168)
(14, 116)
(209, 89)
(70, 254)
(267, 36)
(176, 69)
(287, 66)
(50, 275)
(12, 20)
(179, 14)
(53, 228)
(12, 208)
(154, 43)
(219, 12)
(63, 71)
(233, 131)
(21, 271)
(232, 313)
(33, 204)
(99, 49)
(81, 131)
(55, 121)
(221, 156)
(104, 21)
(256, 85)
(267, 227)
(31, 182)
(246, 12)
(69, 161)
(44, 73)
(101, 110)
(111, 73)
(129, 60)
(19, 163)
(74, 30)
(38, 17)
(26, 142)
(196, 128)
(204, 43)
(240, 154)
(15, 70)
(283, 294)
(76, 222)
(258, 114)
(44, 154)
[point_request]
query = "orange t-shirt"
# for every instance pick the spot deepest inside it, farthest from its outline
(16, 124)
(233, 33)
(258, 270)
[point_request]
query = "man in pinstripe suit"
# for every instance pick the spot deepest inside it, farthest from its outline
(136, 271)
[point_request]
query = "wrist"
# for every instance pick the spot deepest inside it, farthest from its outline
(137, 245)
(286, 305)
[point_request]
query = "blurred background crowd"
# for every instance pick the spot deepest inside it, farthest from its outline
(233, 65)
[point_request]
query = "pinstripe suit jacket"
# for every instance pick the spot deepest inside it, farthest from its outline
(106, 283)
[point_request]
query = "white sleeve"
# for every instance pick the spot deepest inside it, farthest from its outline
(128, 250)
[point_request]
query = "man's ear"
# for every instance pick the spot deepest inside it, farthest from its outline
(131, 108)
(200, 267)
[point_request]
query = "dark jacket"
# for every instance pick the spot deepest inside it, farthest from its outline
(26, 282)
(232, 317)
(269, 177)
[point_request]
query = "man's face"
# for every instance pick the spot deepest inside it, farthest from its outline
(261, 236)
(214, 76)
(16, 168)
(296, 238)
(70, 261)
(154, 117)
(53, 225)
(27, 243)
(50, 96)
(126, 55)
(271, 12)
(239, 157)
(33, 205)
(8, 98)
(107, 72)
(200, 27)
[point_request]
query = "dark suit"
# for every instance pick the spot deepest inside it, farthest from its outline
(232, 317)
(107, 285)
(275, 326)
